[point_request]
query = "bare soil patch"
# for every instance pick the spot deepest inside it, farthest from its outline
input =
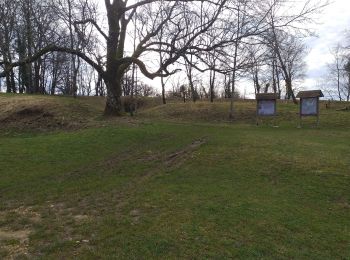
(21, 235)
(32, 118)
(14, 243)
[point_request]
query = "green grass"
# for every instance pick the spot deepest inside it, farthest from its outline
(144, 190)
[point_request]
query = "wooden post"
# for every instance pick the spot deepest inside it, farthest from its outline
(300, 113)
(318, 111)
(257, 113)
(274, 118)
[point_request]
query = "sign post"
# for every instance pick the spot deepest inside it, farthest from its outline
(309, 104)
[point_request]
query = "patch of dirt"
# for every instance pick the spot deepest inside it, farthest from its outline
(36, 117)
(14, 239)
(21, 218)
(135, 216)
(15, 243)
(60, 210)
(43, 113)
(29, 213)
(81, 218)
(20, 235)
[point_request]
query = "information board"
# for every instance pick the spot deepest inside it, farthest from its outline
(309, 106)
(266, 107)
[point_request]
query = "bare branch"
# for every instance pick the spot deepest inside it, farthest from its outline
(142, 66)
(49, 49)
(93, 22)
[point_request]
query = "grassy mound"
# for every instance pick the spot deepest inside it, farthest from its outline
(201, 111)
(46, 112)
(32, 112)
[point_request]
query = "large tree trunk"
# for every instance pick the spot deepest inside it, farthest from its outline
(113, 104)
(13, 82)
(115, 49)
(163, 90)
(37, 79)
(113, 81)
(290, 92)
(188, 66)
(8, 83)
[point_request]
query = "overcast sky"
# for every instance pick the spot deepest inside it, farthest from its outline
(332, 24)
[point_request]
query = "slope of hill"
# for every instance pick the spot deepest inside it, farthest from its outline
(47, 112)
(56, 112)
(332, 114)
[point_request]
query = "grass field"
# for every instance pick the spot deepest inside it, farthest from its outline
(176, 181)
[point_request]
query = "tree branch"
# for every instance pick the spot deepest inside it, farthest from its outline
(93, 22)
(144, 2)
(49, 49)
(142, 66)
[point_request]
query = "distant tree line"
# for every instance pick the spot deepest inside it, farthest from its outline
(70, 47)
(338, 86)
(27, 26)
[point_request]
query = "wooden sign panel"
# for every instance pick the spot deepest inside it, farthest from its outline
(266, 107)
(309, 106)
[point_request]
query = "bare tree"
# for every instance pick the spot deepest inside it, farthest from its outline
(7, 31)
(119, 15)
(180, 40)
(336, 69)
(293, 28)
(347, 81)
